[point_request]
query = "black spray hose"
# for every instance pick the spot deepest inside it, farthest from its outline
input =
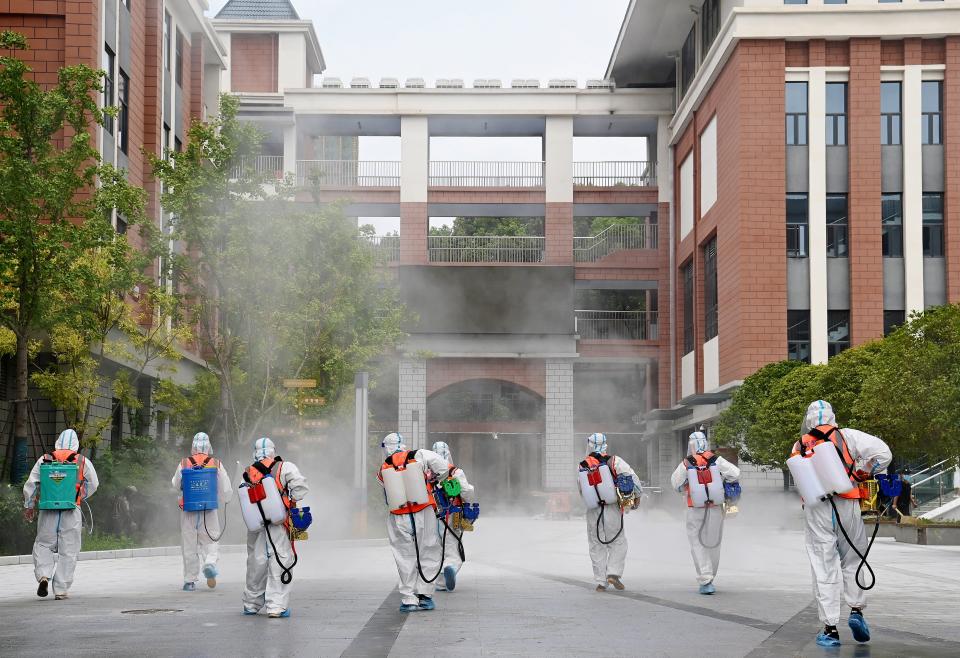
(286, 576)
(222, 530)
(862, 556)
(600, 518)
(416, 545)
(704, 524)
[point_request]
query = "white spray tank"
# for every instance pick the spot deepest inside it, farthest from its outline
(393, 486)
(263, 496)
(415, 484)
(820, 473)
(703, 492)
(598, 486)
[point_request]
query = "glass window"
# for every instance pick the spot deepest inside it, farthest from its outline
(178, 64)
(709, 24)
(166, 41)
(794, 2)
(933, 225)
(834, 2)
(891, 210)
(121, 225)
(166, 142)
(688, 61)
(932, 107)
(710, 318)
(797, 223)
(890, 112)
(838, 332)
(123, 118)
(798, 335)
(796, 110)
(892, 320)
(837, 224)
(109, 98)
(836, 113)
(688, 308)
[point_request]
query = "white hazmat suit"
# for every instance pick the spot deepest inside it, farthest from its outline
(264, 587)
(57, 545)
(832, 562)
(400, 531)
(608, 559)
(451, 554)
(198, 529)
(704, 524)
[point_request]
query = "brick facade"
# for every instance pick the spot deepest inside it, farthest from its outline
(254, 60)
(951, 109)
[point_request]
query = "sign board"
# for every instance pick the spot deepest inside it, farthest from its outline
(299, 383)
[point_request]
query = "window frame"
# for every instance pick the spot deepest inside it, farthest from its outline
(837, 319)
(688, 307)
(109, 86)
(800, 346)
(123, 118)
(933, 227)
(891, 230)
(891, 123)
(838, 230)
(931, 121)
(178, 61)
(711, 309)
(797, 124)
(802, 229)
(836, 128)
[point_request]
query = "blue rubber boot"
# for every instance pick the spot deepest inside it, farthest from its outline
(707, 589)
(210, 573)
(450, 578)
(409, 607)
(426, 603)
(248, 612)
(858, 625)
(828, 637)
(189, 587)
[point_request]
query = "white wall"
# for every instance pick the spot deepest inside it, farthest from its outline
(688, 374)
(686, 196)
(558, 160)
(414, 159)
(708, 166)
(292, 61)
(711, 364)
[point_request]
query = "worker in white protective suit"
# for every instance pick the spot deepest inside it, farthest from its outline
(451, 554)
(833, 563)
(704, 524)
(57, 546)
(411, 528)
(269, 548)
(605, 537)
(200, 530)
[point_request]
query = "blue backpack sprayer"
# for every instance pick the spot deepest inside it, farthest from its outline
(198, 483)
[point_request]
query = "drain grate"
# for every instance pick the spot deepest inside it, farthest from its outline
(150, 611)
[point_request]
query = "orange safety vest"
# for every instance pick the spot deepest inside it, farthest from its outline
(253, 475)
(700, 461)
(66, 456)
(199, 460)
(821, 434)
(595, 460)
(398, 461)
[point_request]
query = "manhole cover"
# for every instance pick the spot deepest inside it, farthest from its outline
(150, 611)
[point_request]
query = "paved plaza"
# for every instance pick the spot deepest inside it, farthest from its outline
(525, 590)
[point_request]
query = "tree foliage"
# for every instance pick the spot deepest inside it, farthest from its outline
(64, 272)
(277, 288)
(904, 389)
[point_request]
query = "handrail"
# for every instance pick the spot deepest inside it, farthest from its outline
(616, 237)
(614, 173)
(928, 468)
(349, 173)
(596, 324)
(485, 248)
(933, 477)
(485, 173)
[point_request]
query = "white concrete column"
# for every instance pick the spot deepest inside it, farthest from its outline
(664, 166)
(414, 159)
(912, 190)
(290, 149)
(559, 452)
(225, 78)
(412, 411)
(558, 160)
(817, 199)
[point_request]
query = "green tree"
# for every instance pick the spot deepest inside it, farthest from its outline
(492, 226)
(277, 288)
(54, 197)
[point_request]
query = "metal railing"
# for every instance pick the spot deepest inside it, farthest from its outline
(616, 325)
(485, 248)
(936, 488)
(620, 173)
(386, 248)
(262, 165)
(349, 173)
(457, 173)
(614, 238)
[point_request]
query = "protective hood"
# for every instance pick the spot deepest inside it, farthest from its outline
(392, 443)
(264, 448)
(698, 443)
(201, 444)
(442, 449)
(597, 442)
(68, 440)
(818, 413)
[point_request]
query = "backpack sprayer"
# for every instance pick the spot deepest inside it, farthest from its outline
(820, 474)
